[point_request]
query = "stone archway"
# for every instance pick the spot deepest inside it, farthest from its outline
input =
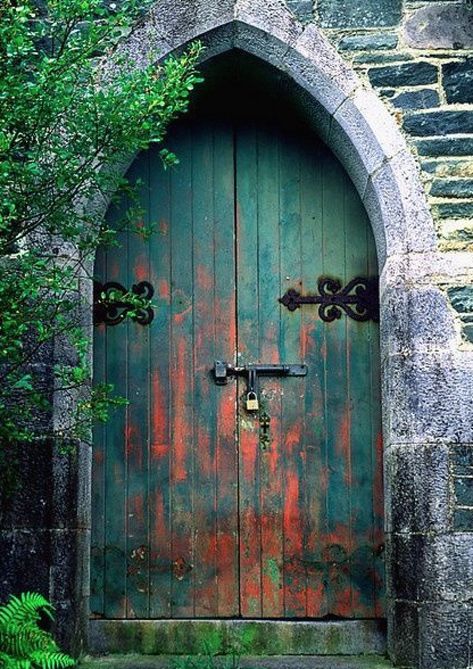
(424, 412)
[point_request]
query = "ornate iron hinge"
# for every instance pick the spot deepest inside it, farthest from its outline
(113, 303)
(358, 299)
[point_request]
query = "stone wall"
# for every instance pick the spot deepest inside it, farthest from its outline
(418, 56)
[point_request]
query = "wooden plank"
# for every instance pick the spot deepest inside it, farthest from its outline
(294, 456)
(160, 429)
(337, 411)
(248, 343)
(270, 461)
(357, 238)
(226, 452)
(182, 388)
(115, 466)
(312, 353)
(204, 424)
(137, 426)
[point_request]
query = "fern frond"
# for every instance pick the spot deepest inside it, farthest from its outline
(20, 640)
(25, 608)
(24, 645)
(8, 662)
(51, 660)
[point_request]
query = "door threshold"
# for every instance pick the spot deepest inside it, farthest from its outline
(245, 662)
(248, 637)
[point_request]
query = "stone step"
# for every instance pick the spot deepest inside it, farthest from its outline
(246, 662)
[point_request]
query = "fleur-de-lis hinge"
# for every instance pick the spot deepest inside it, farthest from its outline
(113, 303)
(359, 299)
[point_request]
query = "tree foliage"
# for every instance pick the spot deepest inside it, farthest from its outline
(68, 119)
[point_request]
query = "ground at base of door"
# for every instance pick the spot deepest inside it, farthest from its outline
(225, 662)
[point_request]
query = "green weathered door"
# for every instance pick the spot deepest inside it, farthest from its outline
(195, 515)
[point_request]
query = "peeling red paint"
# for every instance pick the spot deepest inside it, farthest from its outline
(182, 429)
(159, 410)
(141, 269)
(204, 278)
(164, 290)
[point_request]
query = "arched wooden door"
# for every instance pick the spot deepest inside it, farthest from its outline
(199, 510)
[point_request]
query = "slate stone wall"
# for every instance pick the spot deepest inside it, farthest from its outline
(418, 56)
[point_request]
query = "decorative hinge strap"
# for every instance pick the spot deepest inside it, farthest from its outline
(359, 299)
(113, 303)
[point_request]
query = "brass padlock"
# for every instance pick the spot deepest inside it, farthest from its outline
(252, 403)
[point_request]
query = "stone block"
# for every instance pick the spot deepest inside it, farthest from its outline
(439, 123)
(70, 486)
(176, 23)
(217, 41)
(369, 41)
(395, 202)
(454, 210)
(440, 25)
(448, 568)
(27, 567)
(461, 459)
(449, 168)
(452, 188)
(405, 74)
(445, 635)
(426, 98)
(457, 81)
(260, 44)
(317, 67)
(25, 493)
(381, 58)
(368, 14)
(416, 319)
(428, 397)
(278, 637)
(405, 566)
(461, 298)
(463, 520)
(403, 633)
(363, 135)
(301, 8)
(427, 268)
(445, 146)
(464, 491)
(271, 17)
(418, 488)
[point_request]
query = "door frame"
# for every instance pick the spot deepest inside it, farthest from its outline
(424, 410)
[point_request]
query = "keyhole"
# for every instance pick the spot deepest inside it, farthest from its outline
(264, 421)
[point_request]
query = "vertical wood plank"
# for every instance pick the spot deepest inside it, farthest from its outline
(293, 478)
(337, 410)
(225, 348)
(248, 342)
(160, 429)
(204, 425)
(115, 464)
(271, 389)
(312, 353)
(182, 386)
(137, 428)
(359, 397)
